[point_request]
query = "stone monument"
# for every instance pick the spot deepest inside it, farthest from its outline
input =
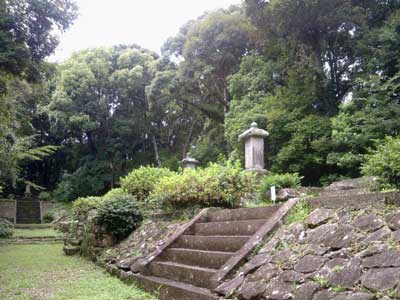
(254, 148)
(189, 162)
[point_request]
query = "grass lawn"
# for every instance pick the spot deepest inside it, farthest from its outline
(42, 272)
(46, 232)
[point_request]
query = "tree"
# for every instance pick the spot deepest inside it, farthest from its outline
(99, 103)
(210, 49)
(28, 32)
(373, 111)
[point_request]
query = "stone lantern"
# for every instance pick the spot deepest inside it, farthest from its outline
(189, 162)
(254, 148)
(28, 193)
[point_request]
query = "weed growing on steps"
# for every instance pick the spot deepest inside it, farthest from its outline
(298, 213)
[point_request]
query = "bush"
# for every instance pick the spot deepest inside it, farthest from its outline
(280, 181)
(384, 162)
(45, 196)
(115, 192)
(140, 182)
(85, 204)
(221, 185)
(48, 217)
(119, 215)
(6, 229)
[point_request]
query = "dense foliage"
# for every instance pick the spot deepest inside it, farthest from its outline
(85, 204)
(48, 217)
(322, 76)
(119, 215)
(142, 181)
(219, 185)
(116, 211)
(384, 162)
(28, 34)
(279, 181)
(6, 229)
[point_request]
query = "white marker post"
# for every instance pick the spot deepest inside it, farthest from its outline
(273, 194)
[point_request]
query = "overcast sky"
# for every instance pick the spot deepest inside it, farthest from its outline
(144, 22)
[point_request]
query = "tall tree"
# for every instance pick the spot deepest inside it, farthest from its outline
(210, 49)
(28, 33)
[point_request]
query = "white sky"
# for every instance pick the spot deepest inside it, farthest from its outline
(144, 22)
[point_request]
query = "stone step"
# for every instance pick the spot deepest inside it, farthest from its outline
(28, 220)
(169, 289)
(33, 226)
(211, 243)
(244, 227)
(242, 214)
(200, 258)
(327, 193)
(31, 241)
(182, 273)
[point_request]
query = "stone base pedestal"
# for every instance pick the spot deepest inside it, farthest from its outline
(259, 172)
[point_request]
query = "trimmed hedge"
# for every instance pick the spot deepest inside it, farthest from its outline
(220, 185)
(141, 182)
(85, 204)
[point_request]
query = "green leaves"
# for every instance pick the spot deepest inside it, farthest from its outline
(384, 162)
(141, 182)
(38, 153)
(6, 229)
(28, 35)
(220, 185)
(119, 215)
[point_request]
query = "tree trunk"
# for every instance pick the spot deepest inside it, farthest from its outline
(156, 151)
(92, 146)
(111, 173)
(188, 139)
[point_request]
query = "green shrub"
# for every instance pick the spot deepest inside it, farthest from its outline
(384, 162)
(45, 196)
(114, 192)
(280, 181)
(221, 185)
(85, 204)
(140, 182)
(48, 217)
(119, 215)
(6, 229)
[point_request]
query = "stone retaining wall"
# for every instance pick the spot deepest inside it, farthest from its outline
(85, 236)
(357, 201)
(337, 254)
(45, 207)
(8, 210)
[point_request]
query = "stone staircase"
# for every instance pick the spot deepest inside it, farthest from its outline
(28, 212)
(193, 262)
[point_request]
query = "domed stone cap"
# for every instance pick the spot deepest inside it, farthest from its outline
(189, 159)
(254, 131)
